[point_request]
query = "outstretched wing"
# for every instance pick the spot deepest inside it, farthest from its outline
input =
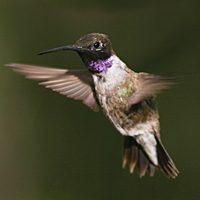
(148, 85)
(76, 84)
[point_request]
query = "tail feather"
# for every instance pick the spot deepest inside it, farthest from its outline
(151, 170)
(134, 155)
(142, 163)
(166, 164)
(133, 158)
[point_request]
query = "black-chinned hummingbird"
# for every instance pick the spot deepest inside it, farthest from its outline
(127, 98)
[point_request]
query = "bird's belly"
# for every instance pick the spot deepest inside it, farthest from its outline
(115, 113)
(129, 121)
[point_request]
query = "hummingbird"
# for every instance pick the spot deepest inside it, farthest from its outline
(126, 97)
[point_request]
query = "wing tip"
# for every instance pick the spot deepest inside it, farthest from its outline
(10, 64)
(16, 65)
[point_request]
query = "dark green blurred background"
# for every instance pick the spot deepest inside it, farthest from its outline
(56, 148)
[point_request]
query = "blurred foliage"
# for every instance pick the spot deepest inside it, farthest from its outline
(56, 148)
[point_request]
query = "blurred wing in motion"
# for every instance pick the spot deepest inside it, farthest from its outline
(148, 85)
(76, 84)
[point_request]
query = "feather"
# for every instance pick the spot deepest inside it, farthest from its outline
(134, 155)
(76, 84)
(148, 85)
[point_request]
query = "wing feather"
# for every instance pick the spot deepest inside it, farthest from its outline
(148, 85)
(76, 84)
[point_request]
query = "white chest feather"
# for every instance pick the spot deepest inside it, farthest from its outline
(105, 85)
(107, 81)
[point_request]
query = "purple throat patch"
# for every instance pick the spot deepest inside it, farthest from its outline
(100, 65)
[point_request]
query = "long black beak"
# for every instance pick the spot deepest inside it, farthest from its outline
(65, 48)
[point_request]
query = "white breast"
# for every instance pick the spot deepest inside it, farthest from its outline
(112, 77)
(107, 82)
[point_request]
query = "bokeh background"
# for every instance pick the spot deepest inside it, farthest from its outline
(56, 148)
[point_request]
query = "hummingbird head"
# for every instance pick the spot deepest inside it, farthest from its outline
(95, 49)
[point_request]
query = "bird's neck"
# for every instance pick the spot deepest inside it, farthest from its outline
(113, 76)
(100, 65)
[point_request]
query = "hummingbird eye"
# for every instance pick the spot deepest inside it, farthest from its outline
(97, 45)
